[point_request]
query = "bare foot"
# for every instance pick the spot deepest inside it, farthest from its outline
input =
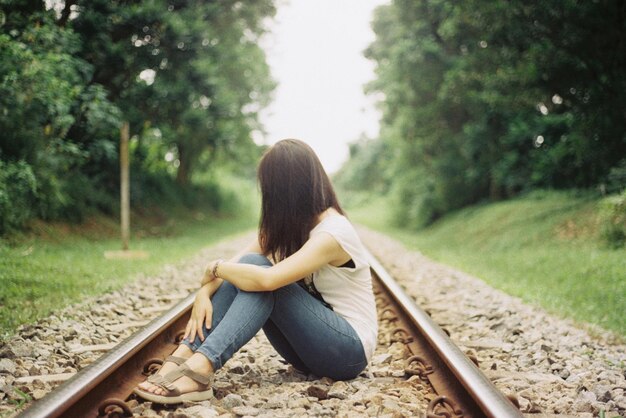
(182, 351)
(199, 364)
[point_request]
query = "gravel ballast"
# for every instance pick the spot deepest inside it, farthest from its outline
(553, 366)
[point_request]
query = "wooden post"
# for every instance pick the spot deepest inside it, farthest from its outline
(124, 186)
(125, 254)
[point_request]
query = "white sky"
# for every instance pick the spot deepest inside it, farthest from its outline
(315, 52)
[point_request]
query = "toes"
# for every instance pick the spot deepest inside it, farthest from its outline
(149, 387)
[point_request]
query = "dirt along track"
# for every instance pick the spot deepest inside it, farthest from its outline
(255, 382)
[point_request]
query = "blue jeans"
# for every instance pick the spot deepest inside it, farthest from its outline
(310, 336)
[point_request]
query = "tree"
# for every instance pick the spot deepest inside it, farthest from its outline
(188, 75)
(205, 69)
(485, 99)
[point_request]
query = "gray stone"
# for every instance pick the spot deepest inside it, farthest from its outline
(7, 366)
(38, 394)
(603, 393)
(236, 367)
(338, 390)
(246, 411)
(17, 349)
(298, 403)
(582, 406)
(232, 400)
(199, 411)
(588, 396)
(274, 404)
(564, 374)
(381, 359)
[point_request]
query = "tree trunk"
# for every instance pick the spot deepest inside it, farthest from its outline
(183, 174)
(66, 12)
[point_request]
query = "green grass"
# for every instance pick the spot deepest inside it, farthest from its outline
(543, 247)
(54, 265)
(39, 276)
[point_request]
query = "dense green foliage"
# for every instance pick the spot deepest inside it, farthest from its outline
(613, 219)
(544, 247)
(188, 76)
(486, 99)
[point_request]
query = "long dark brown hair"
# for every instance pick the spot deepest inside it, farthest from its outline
(295, 190)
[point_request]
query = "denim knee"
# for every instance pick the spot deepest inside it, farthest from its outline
(256, 259)
(247, 314)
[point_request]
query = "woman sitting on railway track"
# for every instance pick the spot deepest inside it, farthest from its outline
(305, 281)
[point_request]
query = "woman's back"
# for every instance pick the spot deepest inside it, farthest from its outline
(348, 289)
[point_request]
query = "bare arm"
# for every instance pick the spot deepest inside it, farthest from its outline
(318, 251)
(202, 311)
(252, 247)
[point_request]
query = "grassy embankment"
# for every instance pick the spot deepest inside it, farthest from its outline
(54, 265)
(543, 247)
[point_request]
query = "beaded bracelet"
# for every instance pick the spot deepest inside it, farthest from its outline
(215, 266)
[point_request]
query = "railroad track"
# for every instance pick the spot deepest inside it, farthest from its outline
(102, 388)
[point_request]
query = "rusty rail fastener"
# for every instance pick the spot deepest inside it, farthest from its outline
(179, 337)
(417, 366)
(388, 314)
(381, 301)
(114, 408)
(151, 366)
(401, 335)
(443, 407)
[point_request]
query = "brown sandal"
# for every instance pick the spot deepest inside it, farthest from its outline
(156, 378)
(173, 393)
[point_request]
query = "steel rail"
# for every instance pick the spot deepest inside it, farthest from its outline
(84, 393)
(487, 397)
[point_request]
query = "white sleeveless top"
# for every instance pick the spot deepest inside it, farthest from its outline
(349, 290)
